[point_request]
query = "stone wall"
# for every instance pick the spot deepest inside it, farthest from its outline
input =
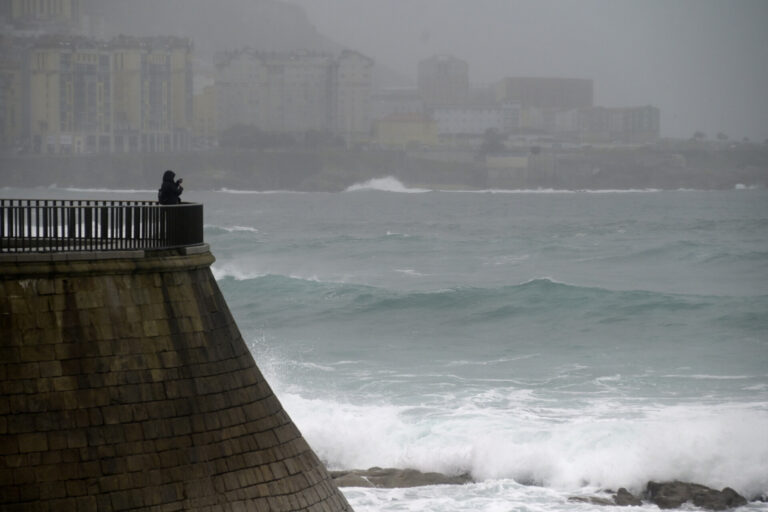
(126, 385)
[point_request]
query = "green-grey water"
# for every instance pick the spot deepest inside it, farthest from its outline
(549, 343)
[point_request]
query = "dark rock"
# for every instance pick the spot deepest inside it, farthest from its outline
(719, 500)
(391, 477)
(592, 500)
(625, 498)
(674, 494)
(622, 498)
(352, 480)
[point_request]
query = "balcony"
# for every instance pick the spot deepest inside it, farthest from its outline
(53, 226)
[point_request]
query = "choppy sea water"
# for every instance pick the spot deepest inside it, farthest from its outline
(550, 343)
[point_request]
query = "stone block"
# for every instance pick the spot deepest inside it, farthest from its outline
(22, 371)
(37, 353)
(77, 439)
(76, 488)
(87, 504)
(87, 300)
(67, 383)
(35, 442)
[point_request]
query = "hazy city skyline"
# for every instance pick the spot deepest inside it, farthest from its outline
(702, 62)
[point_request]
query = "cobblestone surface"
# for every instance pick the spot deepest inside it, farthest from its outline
(126, 385)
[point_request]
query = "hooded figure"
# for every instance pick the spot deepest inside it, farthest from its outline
(170, 190)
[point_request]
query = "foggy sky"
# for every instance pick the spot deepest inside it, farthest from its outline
(704, 63)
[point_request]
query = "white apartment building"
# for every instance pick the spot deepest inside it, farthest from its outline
(476, 120)
(609, 124)
(353, 79)
(294, 92)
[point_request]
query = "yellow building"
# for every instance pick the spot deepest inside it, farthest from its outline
(405, 130)
(204, 130)
(159, 74)
(127, 88)
(131, 94)
(45, 12)
(69, 96)
(12, 95)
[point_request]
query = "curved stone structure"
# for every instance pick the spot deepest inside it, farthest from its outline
(126, 385)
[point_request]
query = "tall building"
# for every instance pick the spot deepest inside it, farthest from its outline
(13, 112)
(443, 81)
(204, 127)
(545, 93)
(69, 95)
(129, 94)
(275, 92)
(61, 15)
(294, 92)
(353, 80)
(153, 93)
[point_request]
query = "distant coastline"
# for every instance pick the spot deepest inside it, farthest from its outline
(333, 169)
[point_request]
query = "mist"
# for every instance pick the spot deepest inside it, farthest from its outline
(691, 74)
(704, 63)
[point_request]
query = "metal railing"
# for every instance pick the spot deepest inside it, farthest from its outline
(53, 225)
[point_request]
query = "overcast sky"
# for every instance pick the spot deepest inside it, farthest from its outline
(704, 63)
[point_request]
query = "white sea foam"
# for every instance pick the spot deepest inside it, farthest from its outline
(558, 191)
(232, 229)
(388, 184)
(715, 446)
(235, 271)
(409, 272)
(236, 191)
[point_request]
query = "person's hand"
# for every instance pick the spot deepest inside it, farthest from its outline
(180, 181)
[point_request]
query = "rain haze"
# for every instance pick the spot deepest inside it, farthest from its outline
(704, 63)
(516, 245)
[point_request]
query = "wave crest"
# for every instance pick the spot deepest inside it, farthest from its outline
(388, 184)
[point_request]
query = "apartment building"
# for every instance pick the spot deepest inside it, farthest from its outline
(69, 95)
(295, 92)
(405, 131)
(13, 119)
(475, 120)
(353, 83)
(609, 124)
(30, 14)
(127, 94)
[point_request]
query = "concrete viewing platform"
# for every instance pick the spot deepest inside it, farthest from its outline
(125, 384)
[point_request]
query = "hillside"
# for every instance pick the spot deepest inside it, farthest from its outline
(269, 25)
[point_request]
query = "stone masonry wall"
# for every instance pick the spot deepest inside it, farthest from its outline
(126, 385)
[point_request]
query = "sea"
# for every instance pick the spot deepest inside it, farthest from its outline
(548, 343)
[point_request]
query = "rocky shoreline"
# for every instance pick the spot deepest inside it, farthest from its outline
(666, 495)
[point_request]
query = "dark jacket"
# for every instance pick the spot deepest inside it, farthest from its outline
(170, 191)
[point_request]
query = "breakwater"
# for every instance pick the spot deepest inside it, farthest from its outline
(126, 385)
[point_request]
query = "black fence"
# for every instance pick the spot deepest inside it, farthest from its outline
(50, 225)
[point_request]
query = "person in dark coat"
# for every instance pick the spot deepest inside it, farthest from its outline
(170, 191)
